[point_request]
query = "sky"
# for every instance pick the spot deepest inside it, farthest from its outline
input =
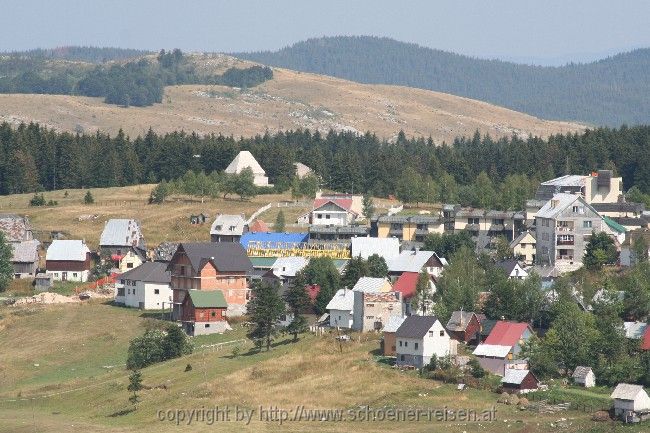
(546, 32)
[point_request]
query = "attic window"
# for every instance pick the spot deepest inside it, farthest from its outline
(442, 333)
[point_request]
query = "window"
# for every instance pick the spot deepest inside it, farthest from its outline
(401, 357)
(156, 291)
(207, 325)
(120, 291)
(182, 270)
(74, 274)
(442, 333)
(370, 317)
(400, 343)
(416, 346)
(430, 333)
(129, 265)
(370, 305)
(134, 291)
(319, 216)
(586, 224)
(575, 209)
(472, 221)
(327, 216)
(213, 314)
(406, 344)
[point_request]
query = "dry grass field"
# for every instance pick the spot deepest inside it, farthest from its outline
(63, 372)
(165, 222)
(291, 100)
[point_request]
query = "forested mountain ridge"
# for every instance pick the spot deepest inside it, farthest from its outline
(79, 54)
(612, 91)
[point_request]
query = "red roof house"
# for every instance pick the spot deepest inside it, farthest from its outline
(508, 333)
(645, 341)
(406, 284)
(259, 226)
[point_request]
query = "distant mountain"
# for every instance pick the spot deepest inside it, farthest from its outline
(81, 54)
(611, 91)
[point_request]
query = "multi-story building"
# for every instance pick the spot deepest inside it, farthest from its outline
(408, 228)
(210, 266)
(563, 228)
(227, 228)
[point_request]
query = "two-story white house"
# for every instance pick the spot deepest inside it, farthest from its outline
(146, 287)
(419, 338)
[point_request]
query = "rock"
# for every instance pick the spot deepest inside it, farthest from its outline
(600, 416)
(523, 401)
(513, 400)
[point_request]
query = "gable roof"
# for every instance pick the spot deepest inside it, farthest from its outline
(25, 251)
(394, 322)
(343, 203)
(516, 241)
(626, 391)
(272, 238)
(243, 160)
(614, 225)
(165, 251)
(492, 350)
(409, 261)
(406, 284)
(559, 203)
(225, 256)
(507, 265)
(122, 232)
(149, 272)
(342, 300)
(69, 250)
(459, 320)
(581, 372)
(289, 266)
(207, 298)
(415, 326)
(369, 285)
(515, 376)
(223, 223)
(506, 333)
(367, 246)
(258, 226)
(16, 228)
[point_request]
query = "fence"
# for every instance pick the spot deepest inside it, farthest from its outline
(218, 346)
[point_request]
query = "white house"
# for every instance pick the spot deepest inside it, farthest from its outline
(419, 338)
(631, 402)
(146, 287)
(513, 270)
(68, 260)
(330, 212)
(584, 376)
(341, 308)
(244, 160)
(227, 228)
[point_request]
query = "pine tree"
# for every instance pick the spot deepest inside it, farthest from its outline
(264, 310)
(356, 268)
(88, 198)
(135, 385)
(298, 301)
(6, 268)
(377, 267)
(279, 225)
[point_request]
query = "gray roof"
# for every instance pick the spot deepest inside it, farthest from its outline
(228, 225)
(25, 252)
(459, 320)
(559, 203)
(514, 376)
(507, 265)
(369, 285)
(16, 228)
(226, 256)
(470, 212)
(367, 246)
(165, 251)
(68, 250)
(409, 261)
(289, 266)
(122, 232)
(394, 322)
(415, 326)
(619, 207)
(342, 300)
(627, 391)
(581, 372)
(150, 272)
(567, 180)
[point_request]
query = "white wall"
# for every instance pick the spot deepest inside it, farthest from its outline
(329, 218)
(78, 276)
(427, 346)
(341, 318)
(143, 295)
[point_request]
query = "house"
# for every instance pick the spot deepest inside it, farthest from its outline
(486, 225)
(628, 255)
(24, 258)
(464, 326)
(419, 338)
(523, 247)
(512, 269)
(631, 403)
(373, 310)
(227, 228)
(335, 211)
(146, 287)
(211, 266)
(42, 282)
(584, 376)
(258, 226)
(341, 308)
(563, 226)
(123, 241)
(364, 247)
(389, 341)
(284, 270)
(407, 284)
(68, 260)
(302, 170)
(597, 187)
(16, 228)
(516, 381)
(413, 228)
(416, 261)
(204, 312)
(502, 345)
(245, 159)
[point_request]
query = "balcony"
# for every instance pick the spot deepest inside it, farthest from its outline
(395, 232)
(563, 242)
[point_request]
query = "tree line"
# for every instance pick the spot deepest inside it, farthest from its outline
(476, 171)
(139, 82)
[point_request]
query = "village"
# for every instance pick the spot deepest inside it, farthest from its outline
(388, 279)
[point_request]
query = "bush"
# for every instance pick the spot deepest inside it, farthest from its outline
(475, 368)
(88, 198)
(156, 346)
(37, 200)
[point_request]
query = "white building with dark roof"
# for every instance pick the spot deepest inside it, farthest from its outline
(146, 287)
(419, 338)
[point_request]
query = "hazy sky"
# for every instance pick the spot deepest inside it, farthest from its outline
(544, 31)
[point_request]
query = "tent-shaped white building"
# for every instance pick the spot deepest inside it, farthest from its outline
(245, 159)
